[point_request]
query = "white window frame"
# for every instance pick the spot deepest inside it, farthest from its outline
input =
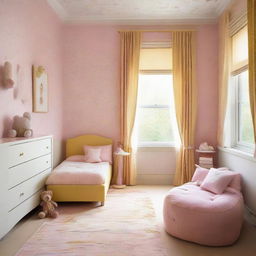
(236, 143)
(156, 143)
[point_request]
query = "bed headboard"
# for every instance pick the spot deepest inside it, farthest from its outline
(74, 146)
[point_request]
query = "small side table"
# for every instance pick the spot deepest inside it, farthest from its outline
(206, 158)
(120, 154)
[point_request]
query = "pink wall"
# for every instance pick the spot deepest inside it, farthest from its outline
(91, 80)
(30, 34)
(207, 79)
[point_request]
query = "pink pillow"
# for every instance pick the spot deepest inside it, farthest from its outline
(76, 158)
(217, 181)
(106, 152)
(93, 155)
(199, 175)
(236, 182)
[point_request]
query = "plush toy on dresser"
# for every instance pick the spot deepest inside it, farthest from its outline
(48, 205)
(21, 126)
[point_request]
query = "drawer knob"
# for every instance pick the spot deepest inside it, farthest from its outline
(21, 194)
(47, 147)
(21, 154)
(47, 162)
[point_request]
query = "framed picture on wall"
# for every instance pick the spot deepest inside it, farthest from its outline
(40, 90)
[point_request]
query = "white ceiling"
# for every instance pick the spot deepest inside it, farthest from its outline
(139, 12)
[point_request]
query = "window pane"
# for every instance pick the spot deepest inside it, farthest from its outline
(154, 125)
(155, 89)
(244, 113)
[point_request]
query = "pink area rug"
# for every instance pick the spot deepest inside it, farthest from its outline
(126, 225)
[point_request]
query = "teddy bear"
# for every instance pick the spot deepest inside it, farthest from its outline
(21, 126)
(48, 205)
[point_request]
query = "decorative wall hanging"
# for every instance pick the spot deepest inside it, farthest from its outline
(40, 90)
(8, 75)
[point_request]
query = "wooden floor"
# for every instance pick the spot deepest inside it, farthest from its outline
(245, 246)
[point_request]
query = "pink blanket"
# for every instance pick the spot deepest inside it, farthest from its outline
(79, 173)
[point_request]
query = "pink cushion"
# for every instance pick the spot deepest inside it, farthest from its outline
(199, 175)
(217, 181)
(76, 158)
(199, 216)
(236, 182)
(106, 152)
(93, 155)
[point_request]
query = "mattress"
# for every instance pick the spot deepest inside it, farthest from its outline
(79, 173)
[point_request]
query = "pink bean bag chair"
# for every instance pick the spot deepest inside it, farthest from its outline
(196, 214)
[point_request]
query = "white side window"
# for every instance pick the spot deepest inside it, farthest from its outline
(241, 126)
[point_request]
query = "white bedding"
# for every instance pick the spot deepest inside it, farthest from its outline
(78, 173)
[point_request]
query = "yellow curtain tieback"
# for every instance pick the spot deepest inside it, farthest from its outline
(189, 147)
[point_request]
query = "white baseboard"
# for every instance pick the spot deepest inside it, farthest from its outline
(155, 179)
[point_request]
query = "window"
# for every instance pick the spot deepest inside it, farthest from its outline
(155, 110)
(241, 117)
(154, 113)
(243, 120)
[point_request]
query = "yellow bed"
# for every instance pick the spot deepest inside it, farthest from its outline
(82, 193)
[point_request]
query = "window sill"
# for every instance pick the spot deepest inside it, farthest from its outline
(239, 153)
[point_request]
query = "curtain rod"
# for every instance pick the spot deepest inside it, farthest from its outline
(149, 30)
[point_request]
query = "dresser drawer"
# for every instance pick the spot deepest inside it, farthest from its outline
(24, 171)
(23, 191)
(19, 153)
(20, 211)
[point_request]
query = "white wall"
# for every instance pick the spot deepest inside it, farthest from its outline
(156, 166)
(246, 166)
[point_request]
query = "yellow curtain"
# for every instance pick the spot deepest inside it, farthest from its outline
(224, 72)
(251, 12)
(185, 102)
(130, 53)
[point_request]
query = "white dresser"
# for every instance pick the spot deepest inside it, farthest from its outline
(24, 166)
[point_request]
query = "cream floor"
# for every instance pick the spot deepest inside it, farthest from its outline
(245, 246)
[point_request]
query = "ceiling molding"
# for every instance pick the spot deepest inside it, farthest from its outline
(141, 21)
(78, 12)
